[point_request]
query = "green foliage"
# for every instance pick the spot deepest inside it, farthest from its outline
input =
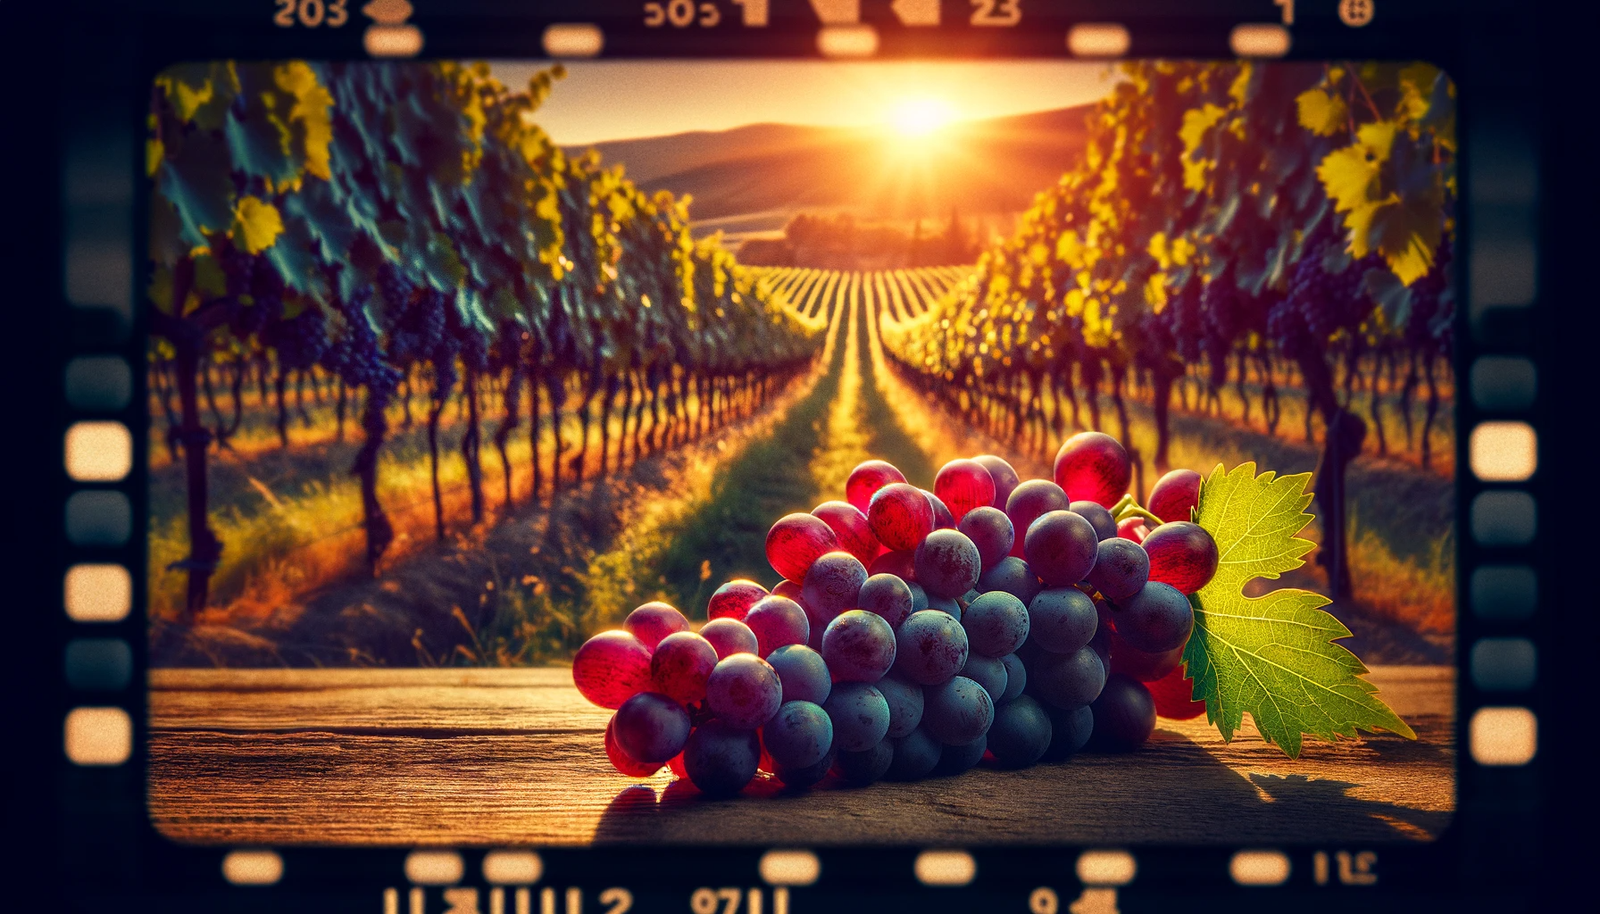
(1273, 655)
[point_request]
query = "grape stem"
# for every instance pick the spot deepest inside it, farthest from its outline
(1133, 510)
(1123, 503)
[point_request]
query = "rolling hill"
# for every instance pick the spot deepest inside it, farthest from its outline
(750, 180)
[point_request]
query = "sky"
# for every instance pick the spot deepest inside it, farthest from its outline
(608, 100)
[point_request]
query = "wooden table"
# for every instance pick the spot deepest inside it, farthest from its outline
(514, 757)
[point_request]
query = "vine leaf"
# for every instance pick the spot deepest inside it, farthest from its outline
(1274, 655)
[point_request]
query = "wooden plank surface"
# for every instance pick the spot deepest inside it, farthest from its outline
(408, 757)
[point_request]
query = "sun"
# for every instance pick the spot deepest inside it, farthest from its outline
(918, 117)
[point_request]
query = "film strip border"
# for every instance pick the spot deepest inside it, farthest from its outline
(102, 436)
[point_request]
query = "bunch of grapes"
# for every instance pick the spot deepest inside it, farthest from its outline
(355, 355)
(1431, 313)
(1224, 309)
(300, 341)
(916, 634)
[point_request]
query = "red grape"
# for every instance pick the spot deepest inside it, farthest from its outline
(1093, 466)
(1144, 666)
(729, 637)
(682, 663)
(942, 518)
(733, 599)
(620, 759)
(797, 540)
(1030, 501)
(866, 479)
(1005, 478)
(963, 485)
(1176, 495)
(1172, 694)
(789, 589)
(777, 621)
(850, 525)
(1182, 554)
(902, 563)
(651, 728)
(900, 515)
(991, 531)
(1133, 528)
(611, 668)
(1124, 714)
(654, 621)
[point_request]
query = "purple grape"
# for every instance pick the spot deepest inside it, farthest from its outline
(651, 727)
(831, 587)
(1156, 619)
(919, 598)
(987, 672)
(991, 531)
(860, 716)
(1021, 733)
(947, 563)
(1016, 677)
(1029, 502)
(1124, 714)
(1103, 633)
(958, 711)
(802, 674)
(947, 605)
(1062, 619)
(799, 735)
(1098, 517)
(1005, 478)
(1013, 576)
(889, 597)
(866, 766)
(858, 646)
(1061, 547)
(996, 624)
(914, 756)
(1121, 567)
(1067, 680)
(730, 636)
(905, 704)
(930, 647)
(799, 777)
(744, 691)
(954, 760)
(776, 622)
(1069, 731)
(720, 759)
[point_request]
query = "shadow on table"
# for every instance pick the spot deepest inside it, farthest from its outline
(1171, 790)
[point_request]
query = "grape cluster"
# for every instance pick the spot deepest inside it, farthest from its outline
(300, 341)
(356, 355)
(1428, 325)
(1329, 302)
(916, 634)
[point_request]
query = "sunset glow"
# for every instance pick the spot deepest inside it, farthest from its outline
(919, 117)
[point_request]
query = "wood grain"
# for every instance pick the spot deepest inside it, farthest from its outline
(418, 757)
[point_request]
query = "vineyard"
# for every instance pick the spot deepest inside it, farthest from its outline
(1241, 268)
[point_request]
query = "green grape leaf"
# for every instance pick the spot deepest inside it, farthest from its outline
(1273, 655)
